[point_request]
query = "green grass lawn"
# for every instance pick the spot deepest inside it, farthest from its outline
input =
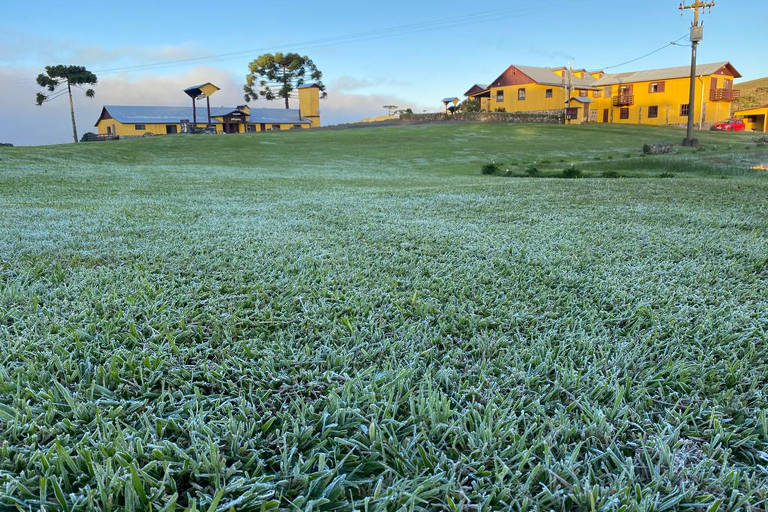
(361, 320)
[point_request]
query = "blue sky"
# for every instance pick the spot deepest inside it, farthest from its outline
(439, 50)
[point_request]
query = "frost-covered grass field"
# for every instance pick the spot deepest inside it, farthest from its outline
(360, 320)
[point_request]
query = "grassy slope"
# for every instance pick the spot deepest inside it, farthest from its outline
(753, 94)
(342, 318)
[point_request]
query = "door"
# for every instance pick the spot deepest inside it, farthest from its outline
(171, 129)
(605, 115)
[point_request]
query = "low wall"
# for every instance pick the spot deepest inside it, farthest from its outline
(545, 116)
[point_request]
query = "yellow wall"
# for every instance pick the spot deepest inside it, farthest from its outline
(584, 112)
(669, 102)
(535, 98)
(309, 105)
(129, 129)
(755, 119)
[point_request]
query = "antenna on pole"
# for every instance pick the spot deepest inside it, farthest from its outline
(697, 35)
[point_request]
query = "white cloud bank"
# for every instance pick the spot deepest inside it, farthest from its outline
(27, 124)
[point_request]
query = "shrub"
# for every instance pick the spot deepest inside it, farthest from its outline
(532, 172)
(491, 168)
(470, 105)
(611, 174)
(571, 172)
(666, 175)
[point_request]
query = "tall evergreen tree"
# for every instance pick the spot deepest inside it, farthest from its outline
(277, 75)
(71, 76)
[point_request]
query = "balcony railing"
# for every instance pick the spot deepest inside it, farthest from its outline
(724, 94)
(623, 101)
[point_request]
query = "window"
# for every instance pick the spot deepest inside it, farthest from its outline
(500, 96)
(251, 128)
(549, 93)
(139, 127)
(571, 114)
(684, 109)
(653, 112)
(597, 93)
(276, 127)
(656, 87)
(521, 95)
(297, 126)
(608, 92)
(624, 113)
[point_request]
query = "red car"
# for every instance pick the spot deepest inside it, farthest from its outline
(731, 125)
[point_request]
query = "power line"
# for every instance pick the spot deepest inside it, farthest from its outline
(395, 31)
(657, 50)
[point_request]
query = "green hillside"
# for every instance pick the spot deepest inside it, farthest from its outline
(754, 93)
(361, 320)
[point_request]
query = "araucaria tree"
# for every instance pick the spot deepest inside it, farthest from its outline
(71, 76)
(277, 76)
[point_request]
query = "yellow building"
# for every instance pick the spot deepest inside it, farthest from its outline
(656, 96)
(136, 121)
(755, 119)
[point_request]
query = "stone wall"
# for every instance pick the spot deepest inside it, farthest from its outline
(545, 116)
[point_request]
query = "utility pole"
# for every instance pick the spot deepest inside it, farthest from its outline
(697, 35)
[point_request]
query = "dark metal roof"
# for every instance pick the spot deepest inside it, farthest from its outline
(162, 115)
(276, 115)
(476, 89)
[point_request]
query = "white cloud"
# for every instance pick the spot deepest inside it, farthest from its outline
(19, 48)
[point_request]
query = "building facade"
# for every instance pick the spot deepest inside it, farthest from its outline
(137, 121)
(655, 97)
(755, 119)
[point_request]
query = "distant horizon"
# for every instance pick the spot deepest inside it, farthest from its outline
(368, 59)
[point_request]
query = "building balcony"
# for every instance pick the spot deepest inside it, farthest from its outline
(623, 101)
(724, 94)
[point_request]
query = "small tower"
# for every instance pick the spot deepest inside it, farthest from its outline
(309, 103)
(198, 92)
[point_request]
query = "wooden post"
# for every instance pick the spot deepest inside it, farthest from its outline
(72, 112)
(208, 103)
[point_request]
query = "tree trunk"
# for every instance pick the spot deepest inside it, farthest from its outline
(284, 84)
(72, 112)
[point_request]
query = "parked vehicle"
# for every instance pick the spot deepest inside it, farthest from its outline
(731, 125)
